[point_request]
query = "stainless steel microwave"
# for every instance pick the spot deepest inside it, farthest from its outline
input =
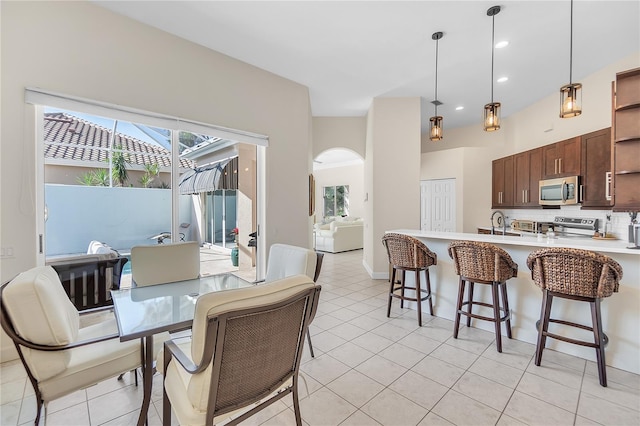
(560, 191)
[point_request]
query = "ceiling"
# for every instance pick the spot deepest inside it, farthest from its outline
(348, 53)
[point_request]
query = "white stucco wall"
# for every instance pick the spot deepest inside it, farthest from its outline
(75, 49)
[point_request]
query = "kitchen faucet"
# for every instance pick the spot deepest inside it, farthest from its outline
(500, 218)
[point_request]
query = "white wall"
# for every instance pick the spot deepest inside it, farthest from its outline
(392, 175)
(524, 130)
(353, 176)
(80, 49)
(339, 132)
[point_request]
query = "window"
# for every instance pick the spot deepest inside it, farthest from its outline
(336, 200)
(128, 177)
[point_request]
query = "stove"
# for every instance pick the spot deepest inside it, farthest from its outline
(575, 226)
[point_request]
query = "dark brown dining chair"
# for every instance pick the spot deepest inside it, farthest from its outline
(483, 263)
(579, 275)
(407, 253)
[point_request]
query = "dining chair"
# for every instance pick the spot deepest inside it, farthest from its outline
(245, 352)
(286, 260)
(165, 263)
(59, 356)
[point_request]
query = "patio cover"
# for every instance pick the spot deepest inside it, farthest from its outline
(202, 179)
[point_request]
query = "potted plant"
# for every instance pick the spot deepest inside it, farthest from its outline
(234, 251)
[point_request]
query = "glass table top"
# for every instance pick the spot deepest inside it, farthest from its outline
(141, 311)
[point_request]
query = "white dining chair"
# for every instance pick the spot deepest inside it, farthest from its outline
(287, 260)
(58, 355)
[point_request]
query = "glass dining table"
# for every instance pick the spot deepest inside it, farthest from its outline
(142, 312)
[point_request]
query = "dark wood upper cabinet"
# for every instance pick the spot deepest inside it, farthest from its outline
(528, 172)
(626, 141)
(562, 158)
(596, 169)
(502, 183)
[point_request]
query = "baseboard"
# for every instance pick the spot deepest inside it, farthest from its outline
(375, 275)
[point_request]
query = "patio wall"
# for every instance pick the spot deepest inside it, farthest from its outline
(119, 217)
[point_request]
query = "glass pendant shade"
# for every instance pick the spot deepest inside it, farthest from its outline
(435, 128)
(571, 94)
(570, 100)
(492, 117)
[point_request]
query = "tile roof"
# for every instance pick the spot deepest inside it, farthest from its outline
(72, 138)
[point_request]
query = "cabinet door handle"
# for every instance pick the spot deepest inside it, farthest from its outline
(526, 195)
(555, 166)
(559, 165)
(581, 193)
(607, 186)
(524, 199)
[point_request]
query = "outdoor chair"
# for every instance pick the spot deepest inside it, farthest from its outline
(59, 356)
(245, 352)
(165, 263)
(287, 260)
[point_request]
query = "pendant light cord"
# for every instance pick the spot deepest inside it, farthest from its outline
(436, 91)
(493, 30)
(571, 45)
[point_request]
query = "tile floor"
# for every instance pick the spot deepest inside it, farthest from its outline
(371, 370)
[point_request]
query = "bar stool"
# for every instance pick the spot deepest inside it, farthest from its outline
(409, 254)
(574, 274)
(483, 263)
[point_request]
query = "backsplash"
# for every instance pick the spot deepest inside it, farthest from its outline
(619, 221)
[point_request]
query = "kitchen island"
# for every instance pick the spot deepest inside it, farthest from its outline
(620, 312)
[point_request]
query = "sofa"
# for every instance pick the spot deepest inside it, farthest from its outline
(340, 234)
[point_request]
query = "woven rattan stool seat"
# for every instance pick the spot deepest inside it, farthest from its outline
(574, 274)
(483, 263)
(409, 254)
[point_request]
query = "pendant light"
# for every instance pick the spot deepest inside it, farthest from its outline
(435, 122)
(571, 94)
(492, 110)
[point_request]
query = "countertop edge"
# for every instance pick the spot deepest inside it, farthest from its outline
(617, 246)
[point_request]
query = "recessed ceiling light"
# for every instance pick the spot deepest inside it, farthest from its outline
(459, 108)
(503, 79)
(501, 44)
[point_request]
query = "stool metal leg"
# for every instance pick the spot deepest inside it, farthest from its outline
(598, 337)
(456, 325)
(393, 282)
(496, 314)
(507, 311)
(402, 290)
(419, 298)
(471, 283)
(429, 291)
(547, 299)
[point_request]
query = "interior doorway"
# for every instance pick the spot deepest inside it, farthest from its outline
(438, 205)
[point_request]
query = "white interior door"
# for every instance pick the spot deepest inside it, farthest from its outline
(438, 205)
